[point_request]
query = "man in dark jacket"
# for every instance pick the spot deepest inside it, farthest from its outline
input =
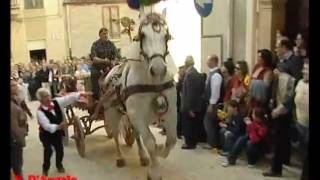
(179, 88)
(191, 104)
(294, 63)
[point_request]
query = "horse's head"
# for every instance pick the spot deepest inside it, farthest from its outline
(153, 37)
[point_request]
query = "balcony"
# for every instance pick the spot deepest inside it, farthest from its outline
(15, 4)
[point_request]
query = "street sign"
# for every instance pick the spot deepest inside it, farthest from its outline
(204, 7)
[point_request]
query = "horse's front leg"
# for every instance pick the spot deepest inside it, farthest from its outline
(144, 160)
(114, 119)
(170, 124)
(149, 141)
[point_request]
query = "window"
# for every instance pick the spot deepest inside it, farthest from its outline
(111, 20)
(33, 4)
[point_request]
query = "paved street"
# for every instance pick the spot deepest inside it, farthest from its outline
(99, 164)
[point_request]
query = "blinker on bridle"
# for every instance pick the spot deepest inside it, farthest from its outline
(157, 24)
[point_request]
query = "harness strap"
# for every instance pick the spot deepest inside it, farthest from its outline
(128, 91)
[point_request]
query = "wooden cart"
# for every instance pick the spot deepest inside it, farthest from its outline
(82, 125)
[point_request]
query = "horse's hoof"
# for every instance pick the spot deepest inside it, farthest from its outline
(121, 163)
(144, 162)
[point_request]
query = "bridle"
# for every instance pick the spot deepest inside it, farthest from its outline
(157, 23)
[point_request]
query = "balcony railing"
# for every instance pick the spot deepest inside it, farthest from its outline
(15, 4)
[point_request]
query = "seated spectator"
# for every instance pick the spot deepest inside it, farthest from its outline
(230, 131)
(253, 141)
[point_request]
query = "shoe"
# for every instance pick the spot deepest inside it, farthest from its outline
(251, 165)
(226, 163)
(187, 147)
(45, 172)
(223, 153)
(272, 174)
(207, 146)
(61, 169)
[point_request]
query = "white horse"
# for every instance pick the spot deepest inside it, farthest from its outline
(147, 92)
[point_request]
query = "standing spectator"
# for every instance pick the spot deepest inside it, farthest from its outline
(233, 129)
(294, 63)
(283, 88)
(240, 92)
(282, 116)
(213, 96)
(230, 79)
(54, 78)
(301, 101)
(19, 129)
(27, 78)
(253, 141)
(43, 76)
(181, 73)
(261, 81)
(33, 84)
(300, 48)
(202, 132)
(52, 126)
(191, 104)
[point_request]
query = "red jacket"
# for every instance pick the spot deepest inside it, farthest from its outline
(256, 131)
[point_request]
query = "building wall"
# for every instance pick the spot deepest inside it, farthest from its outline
(217, 27)
(239, 29)
(19, 51)
(84, 28)
(44, 27)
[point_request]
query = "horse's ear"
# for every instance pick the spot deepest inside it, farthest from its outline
(142, 13)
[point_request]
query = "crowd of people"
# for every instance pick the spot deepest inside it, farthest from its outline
(58, 77)
(264, 112)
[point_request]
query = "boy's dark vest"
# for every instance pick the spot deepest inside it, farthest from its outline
(54, 119)
(208, 87)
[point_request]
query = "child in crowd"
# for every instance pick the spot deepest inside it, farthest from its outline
(233, 129)
(253, 141)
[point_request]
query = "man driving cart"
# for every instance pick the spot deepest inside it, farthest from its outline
(104, 55)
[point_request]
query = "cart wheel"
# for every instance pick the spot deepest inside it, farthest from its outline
(129, 137)
(79, 136)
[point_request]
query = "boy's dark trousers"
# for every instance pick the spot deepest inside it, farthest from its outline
(254, 151)
(54, 140)
(227, 139)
